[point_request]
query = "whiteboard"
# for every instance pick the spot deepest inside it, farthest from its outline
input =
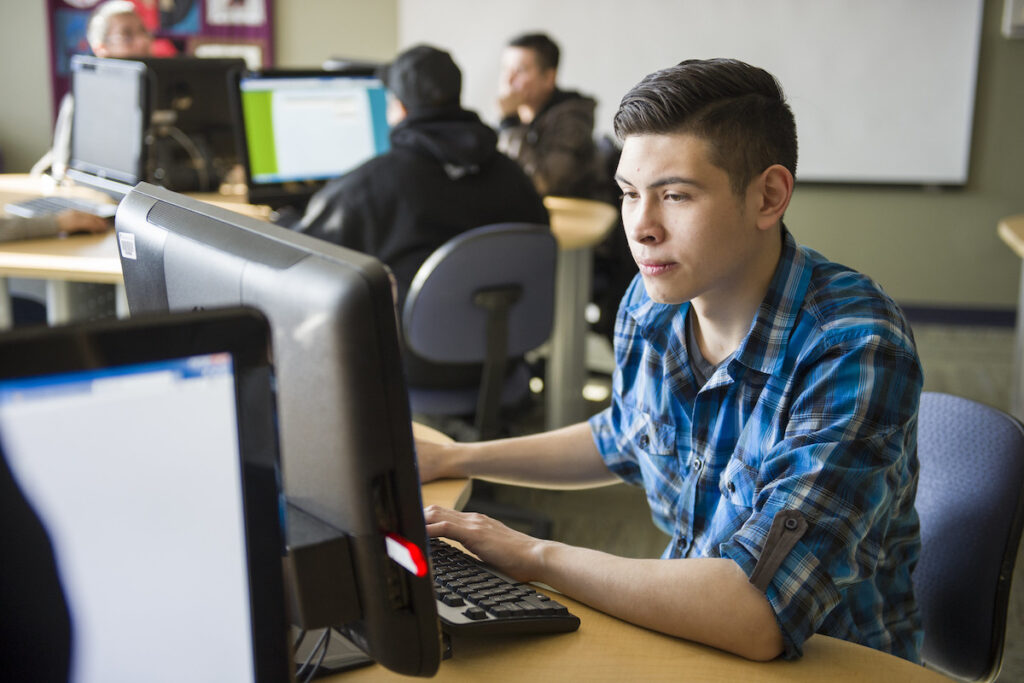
(882, 90)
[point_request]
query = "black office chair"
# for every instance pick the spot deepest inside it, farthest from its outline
(485, 296)
(970, 502)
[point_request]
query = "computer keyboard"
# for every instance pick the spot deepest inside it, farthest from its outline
(473, 598)
(43, 206)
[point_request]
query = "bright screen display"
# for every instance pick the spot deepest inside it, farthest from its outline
(312, 127)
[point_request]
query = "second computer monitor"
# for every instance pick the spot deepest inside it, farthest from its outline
(302, 128)
(109, 123)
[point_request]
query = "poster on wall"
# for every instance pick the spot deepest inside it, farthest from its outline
(204, 28)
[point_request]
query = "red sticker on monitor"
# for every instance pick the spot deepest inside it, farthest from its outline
(407, 554)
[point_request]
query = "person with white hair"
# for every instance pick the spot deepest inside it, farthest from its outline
(115, 29)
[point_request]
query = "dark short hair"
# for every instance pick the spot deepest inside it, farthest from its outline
(542, 46)
(423, 77)
(739, 109)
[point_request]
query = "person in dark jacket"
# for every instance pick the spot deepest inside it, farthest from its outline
(548, 131)
(442, 176)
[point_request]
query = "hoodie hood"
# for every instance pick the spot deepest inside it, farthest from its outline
(455, 138)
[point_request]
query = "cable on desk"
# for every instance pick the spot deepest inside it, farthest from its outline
(308, 669)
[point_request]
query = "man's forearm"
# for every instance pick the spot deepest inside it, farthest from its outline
(564, 458)
(707, 600)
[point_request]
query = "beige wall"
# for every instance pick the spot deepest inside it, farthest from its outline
(306, 32)
(926, 246)
(26, 116)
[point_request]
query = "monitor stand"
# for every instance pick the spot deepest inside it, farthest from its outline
(341, 655)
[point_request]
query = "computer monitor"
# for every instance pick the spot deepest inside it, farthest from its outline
(346, 435)
(193, 142)
(168, 121)
(302, 128)
(109, 123)
(140, 484)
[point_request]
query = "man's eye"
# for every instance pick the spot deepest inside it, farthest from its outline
(676, 197)
(627, 194)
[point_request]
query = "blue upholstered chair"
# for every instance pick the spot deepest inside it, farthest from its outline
(485, 296)
(969, 499)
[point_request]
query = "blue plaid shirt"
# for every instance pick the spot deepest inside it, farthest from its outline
(816, 412)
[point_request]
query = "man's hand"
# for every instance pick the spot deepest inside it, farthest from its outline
(509, 100)
(510, 551)
(71, 221)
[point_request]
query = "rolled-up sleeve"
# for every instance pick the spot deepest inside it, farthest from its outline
(848, 465)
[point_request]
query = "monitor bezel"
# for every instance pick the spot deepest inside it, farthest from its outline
(244, 334)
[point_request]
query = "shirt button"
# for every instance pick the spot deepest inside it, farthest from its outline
(697, 464)
(791, 524)
(731, 486)
(644, 441)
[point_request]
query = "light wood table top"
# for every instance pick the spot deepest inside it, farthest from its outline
(80, 258)
(1011, 230)
(578, 223)
(608, 649)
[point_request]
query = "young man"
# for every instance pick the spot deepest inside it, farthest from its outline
(548, 131)
(764, 397)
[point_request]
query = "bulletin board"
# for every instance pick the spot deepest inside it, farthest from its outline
(205, 28)
(882, 90)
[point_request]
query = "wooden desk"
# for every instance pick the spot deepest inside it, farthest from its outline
(578, 225)
(82, 258)
(608, 649)
(1011, 231)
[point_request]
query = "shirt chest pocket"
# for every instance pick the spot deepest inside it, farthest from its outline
(738, 483)
(652, 442)
(644, 434)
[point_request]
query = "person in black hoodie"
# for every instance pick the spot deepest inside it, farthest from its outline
(442, 176)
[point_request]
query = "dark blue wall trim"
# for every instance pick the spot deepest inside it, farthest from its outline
(978, 317)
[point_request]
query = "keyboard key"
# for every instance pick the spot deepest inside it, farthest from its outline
(476, 613)
(453, 600)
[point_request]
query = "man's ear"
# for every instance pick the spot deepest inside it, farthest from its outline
(396, 111)
(550, 77)
(774, 189)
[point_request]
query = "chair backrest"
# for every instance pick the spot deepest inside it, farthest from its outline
(970, 504)
(485, 295)
(440, 320)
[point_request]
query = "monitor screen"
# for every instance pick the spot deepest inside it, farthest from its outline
(303, 128)
(346, 435)
(109, 123)
(145, 452)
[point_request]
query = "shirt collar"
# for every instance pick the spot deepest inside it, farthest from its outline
(764, 347)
